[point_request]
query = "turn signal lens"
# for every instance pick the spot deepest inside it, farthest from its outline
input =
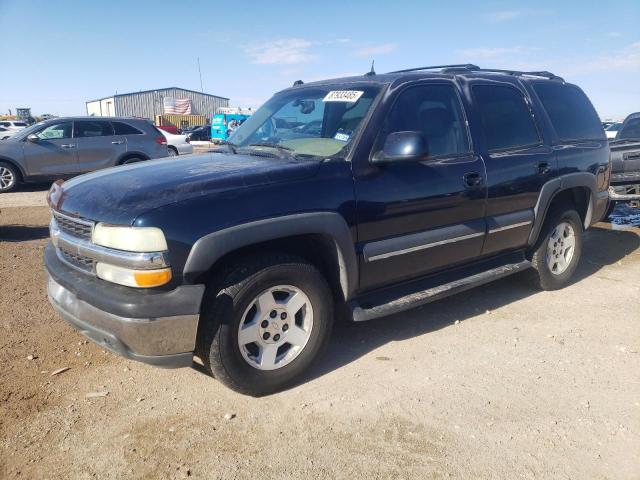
(152, 278)
(133, 278)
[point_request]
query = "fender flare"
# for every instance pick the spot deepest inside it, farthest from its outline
(552, 188)
(210, 248)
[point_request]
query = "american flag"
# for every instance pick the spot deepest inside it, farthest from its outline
(181, 106)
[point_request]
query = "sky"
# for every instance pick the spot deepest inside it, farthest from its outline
(56, 55)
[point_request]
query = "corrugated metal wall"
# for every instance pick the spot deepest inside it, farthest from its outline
(149, 104)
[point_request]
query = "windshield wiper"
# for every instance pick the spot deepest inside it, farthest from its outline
(281, 148)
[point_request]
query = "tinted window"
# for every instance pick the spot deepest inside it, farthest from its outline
(93, 129)
(121, 128)
(505, 116)
(630, 130)
(435, 111)
(570, 111)
(56, 131)
(5, 124)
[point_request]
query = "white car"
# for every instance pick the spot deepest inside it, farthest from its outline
(12, 126)
(177, 144)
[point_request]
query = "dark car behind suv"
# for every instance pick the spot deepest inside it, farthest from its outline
(625, 163)
(64, 147)
(409, 186)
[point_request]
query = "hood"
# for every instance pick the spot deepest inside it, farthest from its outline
(119, 195)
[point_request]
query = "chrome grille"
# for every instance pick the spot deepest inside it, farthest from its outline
(74, 226)
(78, 261)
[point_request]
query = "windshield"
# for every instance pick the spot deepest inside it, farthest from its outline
(614, 127)
(314, 121)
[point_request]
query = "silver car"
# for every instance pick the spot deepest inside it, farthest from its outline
(64, 147)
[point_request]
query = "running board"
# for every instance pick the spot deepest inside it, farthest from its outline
(433, 293)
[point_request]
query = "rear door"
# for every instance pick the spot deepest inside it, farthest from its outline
(517, 160)
(98, 147)
(54, 153)
(416, 217)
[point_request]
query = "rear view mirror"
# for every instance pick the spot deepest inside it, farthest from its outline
(402, 146)
(33, 138)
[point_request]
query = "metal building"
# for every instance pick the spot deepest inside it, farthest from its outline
(149, 103)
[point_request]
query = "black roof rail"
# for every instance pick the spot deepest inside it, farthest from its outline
(544, 73)
(467, 66)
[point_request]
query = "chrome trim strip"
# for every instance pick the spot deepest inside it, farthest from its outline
(424, 247)
(120, 258)
(509, 227)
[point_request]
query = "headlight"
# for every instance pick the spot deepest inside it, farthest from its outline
(131, 239)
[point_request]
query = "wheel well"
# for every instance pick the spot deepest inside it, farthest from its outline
(132, 155)
(172, 148)
(318, 249)
(578, 197)
(15, 165)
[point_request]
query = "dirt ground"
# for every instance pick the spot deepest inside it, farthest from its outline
(499, 382)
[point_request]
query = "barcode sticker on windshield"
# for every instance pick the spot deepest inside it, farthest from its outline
(349, 96)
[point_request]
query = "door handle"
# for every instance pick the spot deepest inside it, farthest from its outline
(119, 142)
(68, 145)
(472, 179)
(544, 168)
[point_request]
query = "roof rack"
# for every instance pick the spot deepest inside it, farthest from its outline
(469, 67)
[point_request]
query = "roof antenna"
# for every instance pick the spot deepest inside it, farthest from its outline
(372, 71)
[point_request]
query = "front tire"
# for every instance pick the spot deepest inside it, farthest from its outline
(265, 323)
(557, 253)
(9, 177)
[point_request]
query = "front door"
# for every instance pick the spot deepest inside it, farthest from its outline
(417, 217)
(53, 153)
(98, 147)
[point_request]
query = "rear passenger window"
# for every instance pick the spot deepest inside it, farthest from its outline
(435, 111)
(92, 129)
(505, 116)
(570, 111)
(121, 128)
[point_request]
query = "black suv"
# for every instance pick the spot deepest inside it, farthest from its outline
(410, 186)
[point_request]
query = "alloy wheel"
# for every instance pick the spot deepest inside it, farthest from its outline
(7, 178)
(275, 327)
(560, 248)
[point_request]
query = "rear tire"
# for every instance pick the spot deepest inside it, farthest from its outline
(173, 152)
(264, 323)
(557, 252)
(9, 177)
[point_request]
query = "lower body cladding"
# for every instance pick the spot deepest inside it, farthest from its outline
(164, 341)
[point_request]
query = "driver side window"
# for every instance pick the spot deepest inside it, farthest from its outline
(434, 111)
(57, 131)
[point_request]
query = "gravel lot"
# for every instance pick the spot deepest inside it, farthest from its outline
(499, 382)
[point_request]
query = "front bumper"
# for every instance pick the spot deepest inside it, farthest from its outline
(158, 328)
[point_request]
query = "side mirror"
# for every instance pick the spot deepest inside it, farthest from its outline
(33, 138)
(401, 147)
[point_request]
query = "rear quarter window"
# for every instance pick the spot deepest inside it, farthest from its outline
(570, 111)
